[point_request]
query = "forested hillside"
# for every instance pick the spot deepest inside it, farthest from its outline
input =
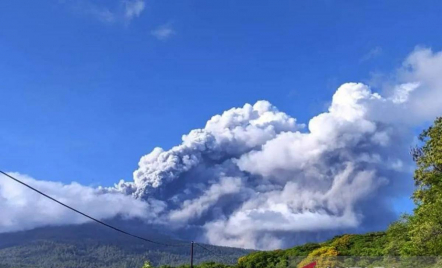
(92, 246)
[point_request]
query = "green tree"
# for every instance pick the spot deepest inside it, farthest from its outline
(398, 236)
(425, 228)
(147, 265)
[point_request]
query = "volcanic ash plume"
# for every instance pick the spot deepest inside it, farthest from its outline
(254, 177)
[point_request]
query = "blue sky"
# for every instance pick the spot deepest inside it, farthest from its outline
(84, 96)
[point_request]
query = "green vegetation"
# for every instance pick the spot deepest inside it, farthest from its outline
(421, 234)
(371, 244)
(423, 230)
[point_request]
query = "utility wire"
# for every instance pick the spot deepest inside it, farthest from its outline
(87, 216)
(214, 253)
(223, 258)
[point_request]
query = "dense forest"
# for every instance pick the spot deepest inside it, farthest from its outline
(371, 244)
(92, 246)
(419, 234)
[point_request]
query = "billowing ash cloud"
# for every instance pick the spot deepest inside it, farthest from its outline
(254, 177)
(225, 137)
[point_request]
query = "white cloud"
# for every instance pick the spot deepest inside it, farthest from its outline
(102, 14)
(373, 53)
(163, 32)
(133, 8)
(22, 209)
(416, 89)
(423, 69)
(124, 12)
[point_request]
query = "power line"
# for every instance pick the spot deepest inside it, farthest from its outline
(214, 253)
(89, 217)
(221, 257)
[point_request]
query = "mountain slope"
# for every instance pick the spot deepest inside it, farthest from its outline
(91, 245)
